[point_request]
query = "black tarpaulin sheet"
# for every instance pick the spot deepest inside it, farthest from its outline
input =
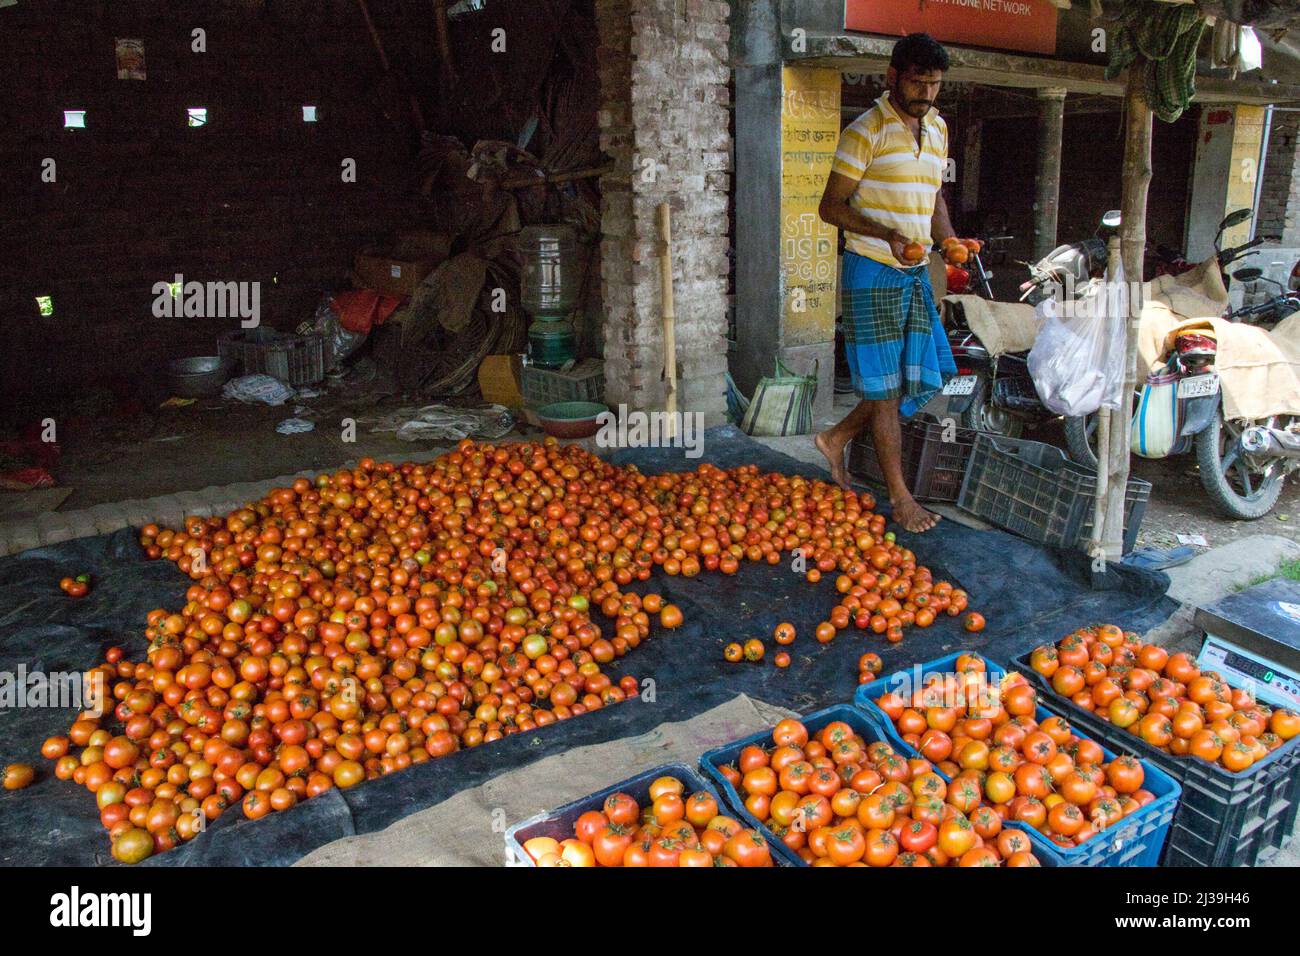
(1029, 595)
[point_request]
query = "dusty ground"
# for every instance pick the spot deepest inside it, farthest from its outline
(215, 442)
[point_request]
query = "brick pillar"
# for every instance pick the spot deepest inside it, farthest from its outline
(1279, 195)
(664, 67)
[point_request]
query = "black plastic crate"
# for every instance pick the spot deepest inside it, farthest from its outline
(1034, 490)
(932, 467)
(1224, 818)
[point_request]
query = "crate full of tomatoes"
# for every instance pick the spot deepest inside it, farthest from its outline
(834, 793)
(665, 817)
(986, 731)
(1237, 760)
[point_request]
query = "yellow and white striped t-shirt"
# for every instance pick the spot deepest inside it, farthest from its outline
(897, 178)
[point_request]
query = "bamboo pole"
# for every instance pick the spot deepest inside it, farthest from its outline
(670, 317)
(1105, 420)
(1133, 231)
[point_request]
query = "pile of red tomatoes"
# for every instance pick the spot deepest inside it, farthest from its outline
(350, 626)
(1163, 698)
(671, 830)
(985, 737)
(837, 799)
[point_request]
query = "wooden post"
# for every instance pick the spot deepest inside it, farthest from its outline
(1133, 233)
(416, 113)
(1047, 179)
(1105, 421)
(670, 318)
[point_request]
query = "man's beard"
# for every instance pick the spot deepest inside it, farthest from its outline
(913, 108)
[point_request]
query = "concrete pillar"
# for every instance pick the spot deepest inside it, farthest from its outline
(1223, 175)
(787, 128)
(664, 66)
(1047, 181)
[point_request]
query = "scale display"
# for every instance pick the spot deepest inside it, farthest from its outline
(1269, 682)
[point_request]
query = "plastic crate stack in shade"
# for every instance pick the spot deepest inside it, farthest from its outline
(933, 467)
(585, 382)
(1136, 840)
(1034, 490)
(558, 824)
(1225, 818)
(851, 715)
(293, 359)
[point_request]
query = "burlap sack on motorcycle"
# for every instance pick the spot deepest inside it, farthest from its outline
(1001, 326)
(1258, 370)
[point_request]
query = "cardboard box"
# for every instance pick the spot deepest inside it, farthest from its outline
(400, 269)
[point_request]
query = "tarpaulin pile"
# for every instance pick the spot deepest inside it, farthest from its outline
(1029, 595)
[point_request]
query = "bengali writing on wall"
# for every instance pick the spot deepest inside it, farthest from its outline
(810, 128)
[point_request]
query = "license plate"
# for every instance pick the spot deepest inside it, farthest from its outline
(1198, 386)
(961, 385)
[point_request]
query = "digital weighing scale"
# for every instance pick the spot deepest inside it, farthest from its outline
(1252, 638)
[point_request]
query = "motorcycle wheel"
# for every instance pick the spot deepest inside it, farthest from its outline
(1080, 435)
(982, 415)
(1240, 487)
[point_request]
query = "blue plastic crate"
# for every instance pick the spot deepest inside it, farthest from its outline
(1137, 840)
(728, 753)
(558, 824)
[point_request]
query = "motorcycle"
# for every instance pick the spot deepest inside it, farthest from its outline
(1274, 308)
(1242, 465)
(990, 393)
(1074, 263)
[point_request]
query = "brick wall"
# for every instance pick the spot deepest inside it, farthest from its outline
(1279, 196)
(664, 73)
(256, 195)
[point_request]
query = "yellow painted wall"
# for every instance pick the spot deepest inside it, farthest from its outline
(810, 128)
(1247, 138)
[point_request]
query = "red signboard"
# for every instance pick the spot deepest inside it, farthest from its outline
(1028, 25)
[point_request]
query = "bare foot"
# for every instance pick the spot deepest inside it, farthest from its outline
(913, 517)
(833, 449)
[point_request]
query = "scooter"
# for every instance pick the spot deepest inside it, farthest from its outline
(1242, 465)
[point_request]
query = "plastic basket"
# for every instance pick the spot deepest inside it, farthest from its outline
(1136, 840)
(585, 382)
(293, 359)
(1225, 818)
(851, 715)
(932, 467)
(558, 824)
(1034, 490)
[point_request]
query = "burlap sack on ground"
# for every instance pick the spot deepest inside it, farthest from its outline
(469, 829)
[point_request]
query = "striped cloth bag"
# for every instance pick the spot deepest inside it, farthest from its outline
(782, 404)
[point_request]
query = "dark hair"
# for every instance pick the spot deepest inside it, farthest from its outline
(919, 50)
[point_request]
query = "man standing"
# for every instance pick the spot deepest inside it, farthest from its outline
(885, 193)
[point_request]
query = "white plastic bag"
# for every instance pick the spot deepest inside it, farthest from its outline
(1077, 361)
